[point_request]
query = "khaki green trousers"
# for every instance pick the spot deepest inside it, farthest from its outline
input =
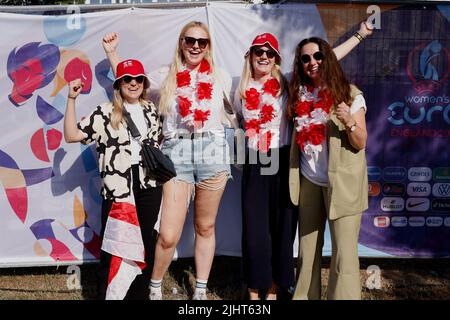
(344, 279)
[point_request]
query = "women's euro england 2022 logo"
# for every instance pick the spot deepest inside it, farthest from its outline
(428, 67)
(427, 104)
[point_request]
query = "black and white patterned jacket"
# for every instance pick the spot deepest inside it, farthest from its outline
(114, 148)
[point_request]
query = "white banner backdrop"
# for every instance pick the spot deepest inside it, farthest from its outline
(50, 203)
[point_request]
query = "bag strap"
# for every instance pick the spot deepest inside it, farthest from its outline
(131, 125)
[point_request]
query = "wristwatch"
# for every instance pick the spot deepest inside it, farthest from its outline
(353, 127)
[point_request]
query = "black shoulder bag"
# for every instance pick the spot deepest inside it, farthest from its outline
(159, 166)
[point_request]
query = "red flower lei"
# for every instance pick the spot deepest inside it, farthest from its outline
(312, 114)
(194, 99)
(259, 109)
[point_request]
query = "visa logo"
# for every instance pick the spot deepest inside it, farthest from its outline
(417, 189)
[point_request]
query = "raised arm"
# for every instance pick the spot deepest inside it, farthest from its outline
(110, 42)
(365, 30)
(71, 131)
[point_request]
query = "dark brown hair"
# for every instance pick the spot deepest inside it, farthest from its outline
(330, 71)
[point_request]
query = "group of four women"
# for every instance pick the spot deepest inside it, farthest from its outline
(313, 126)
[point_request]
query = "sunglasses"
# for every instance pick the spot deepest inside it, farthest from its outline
(269, 53)
(139, 79)
(190, 42)
(306, 58)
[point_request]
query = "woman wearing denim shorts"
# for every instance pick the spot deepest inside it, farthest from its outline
(191, 104)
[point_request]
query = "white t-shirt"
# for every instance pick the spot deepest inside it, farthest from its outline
(137, 115)
(279, 126)
(172, 121)
(315, 167)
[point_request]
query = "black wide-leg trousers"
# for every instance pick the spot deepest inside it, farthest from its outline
(269, 222)
(147, 202)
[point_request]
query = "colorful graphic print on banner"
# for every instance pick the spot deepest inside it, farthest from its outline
(74, 65)
(15, 182)
(31, 67)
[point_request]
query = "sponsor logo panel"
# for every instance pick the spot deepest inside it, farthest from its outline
(419, 189)
(417, 204)
(441, 190)
(441, 174)
(381, 222)
(447, 222)
(399, 221)
(416, 221)
(374, 173)
(434, 221)
(394, 174)
(392, 204)
(419, 174)
(374, 189)
(393, 189)
(440, 205)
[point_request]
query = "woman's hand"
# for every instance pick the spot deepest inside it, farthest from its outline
(110, 42)
(75, 87)
(344, 115)
(355, 125)
(71, 131)
(365, 29)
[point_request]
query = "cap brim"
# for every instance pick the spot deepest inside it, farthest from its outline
(262, 44)
(146, 81)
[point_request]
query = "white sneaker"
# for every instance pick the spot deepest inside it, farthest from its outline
(201, 295)
(155, 294)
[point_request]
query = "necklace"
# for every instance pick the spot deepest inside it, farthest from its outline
(194, 97)
(312, 113)
(259, 108)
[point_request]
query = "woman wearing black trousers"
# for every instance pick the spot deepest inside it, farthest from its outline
(268, 215)
(131, 198)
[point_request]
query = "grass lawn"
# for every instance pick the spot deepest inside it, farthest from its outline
(415, 279)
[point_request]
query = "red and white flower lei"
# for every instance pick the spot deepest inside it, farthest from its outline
(260, 107)
(194, 97)
(312, 113)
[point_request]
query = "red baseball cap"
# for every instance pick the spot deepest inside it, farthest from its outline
(132, 68)
(265, 38)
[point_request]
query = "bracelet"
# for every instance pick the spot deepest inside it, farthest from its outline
(69, 97)
(359, 36)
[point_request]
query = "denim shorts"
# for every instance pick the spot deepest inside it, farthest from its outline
(199, 157)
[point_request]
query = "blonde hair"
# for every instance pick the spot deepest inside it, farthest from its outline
(117, 113)
(247, 74)
(169, 86)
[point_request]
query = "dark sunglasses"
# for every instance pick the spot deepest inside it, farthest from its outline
(318, 55)
(190, 42)
(139, 79)
(269, 53)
